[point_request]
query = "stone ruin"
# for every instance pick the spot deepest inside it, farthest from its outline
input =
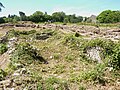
(94, 54)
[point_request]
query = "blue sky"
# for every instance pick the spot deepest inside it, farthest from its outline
(78, 7)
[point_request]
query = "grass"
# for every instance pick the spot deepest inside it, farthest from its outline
(100, 24)
(67, 67)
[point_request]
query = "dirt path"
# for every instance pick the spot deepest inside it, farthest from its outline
(4, 60)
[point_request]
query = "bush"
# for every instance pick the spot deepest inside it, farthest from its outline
(82, 88)
(45, 34)
(73, 41)
(25, 53)
(3, 48)
(96, 74)
(50, 84)
(106, 45)
(2, 20)
(115, 61)
(12, 33)
(2, 74)
(27, 32)
(15, 33)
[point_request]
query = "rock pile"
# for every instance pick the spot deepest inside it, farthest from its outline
(94, 54)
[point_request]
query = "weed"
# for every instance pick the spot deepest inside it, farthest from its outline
(59, 69)
(73, 42)
(115, 61)
(69, 57)
(3, 48)
(55, 84)
(56, 56)
(2, 74)
(82, 88)
(39, 86)
(106, 45)
(94, 75)
(25, 53)
(12, 33)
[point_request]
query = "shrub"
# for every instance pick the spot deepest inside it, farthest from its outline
(73, 41)
(2, 74)
(15, 33)
(69, 57)
(82, 88)
(25, 53)
(56, 56)
(51, 83)
(106, 45)
(115, 61)
(45, 34)
(27, 32)
(96, 74)
(3, 48)
(12, 33)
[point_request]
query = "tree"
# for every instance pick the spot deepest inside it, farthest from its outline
(23, 17)
(38, 16)
(66, 20)
(109, 16)
(58, 16)
(80, 18)
(2, 20)
(47, 17)
(73, 18)
(16, 18)
(103, 17)
(1, 6)
(11, 18)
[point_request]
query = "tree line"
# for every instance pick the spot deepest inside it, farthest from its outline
(106, 16)
(39, 16)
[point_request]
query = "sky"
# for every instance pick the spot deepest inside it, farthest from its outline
(78, 7)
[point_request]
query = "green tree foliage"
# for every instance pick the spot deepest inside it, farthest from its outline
(74, 19)
(11, 18)
(109, 16)
(38, 16)
(58, 16)
(47, 17)
(23, 17)
(66, 20)
(2, 20)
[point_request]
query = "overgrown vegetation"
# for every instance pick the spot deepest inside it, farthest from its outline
(15, 33)
(45, 34)
(25, 53)
(3, 48)
(109, 48)
(96, 74)
(73, 42)
(53, 83)
(66, 54)
(2, 74)
(115, 59)
(105, 45)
